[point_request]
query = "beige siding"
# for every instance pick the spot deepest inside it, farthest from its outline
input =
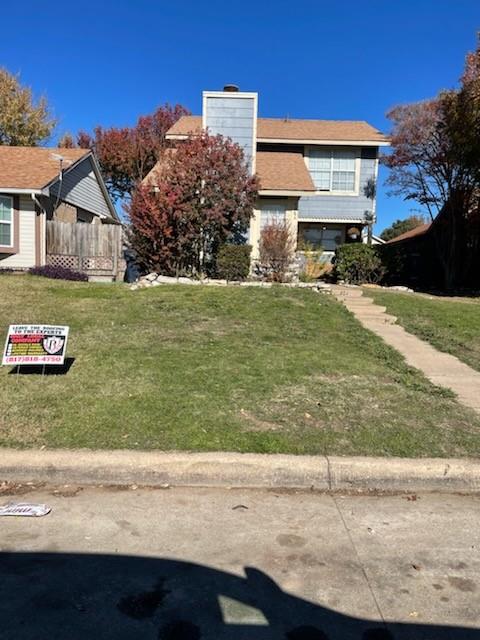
(25, 258)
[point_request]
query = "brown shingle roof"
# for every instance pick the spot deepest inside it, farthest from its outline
(185, 126)
(418, 231)
(155, 172)
(283, 172)
(282, 129)
(33, 167)
(273, 128)
(276, 171)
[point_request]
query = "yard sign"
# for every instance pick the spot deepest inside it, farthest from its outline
(35, 344)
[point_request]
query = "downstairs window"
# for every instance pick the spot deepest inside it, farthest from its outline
(6, 221)
(272, 213)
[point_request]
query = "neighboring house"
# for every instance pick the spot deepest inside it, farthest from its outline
(413, 233)
(440, 255)
(40, 187)
(312, 173)
(412, 258)
(375, 239)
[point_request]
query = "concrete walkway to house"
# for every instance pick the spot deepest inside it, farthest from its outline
(440, 368)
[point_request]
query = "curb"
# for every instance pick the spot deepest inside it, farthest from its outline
(246, 470)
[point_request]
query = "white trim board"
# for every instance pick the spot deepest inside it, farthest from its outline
(335, 143)
(285, 192)
(333, 220)
(230, 94)
(345, 143)
(180, 136)
(38, 192)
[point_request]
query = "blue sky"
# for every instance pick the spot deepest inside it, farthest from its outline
(108, 61)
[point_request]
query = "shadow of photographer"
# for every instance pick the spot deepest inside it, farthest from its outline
(87, 596)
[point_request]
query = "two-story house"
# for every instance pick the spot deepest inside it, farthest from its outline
(315, 174)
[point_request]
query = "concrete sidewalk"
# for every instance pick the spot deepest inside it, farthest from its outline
(212, 564)
(321, 473)
(440, 368)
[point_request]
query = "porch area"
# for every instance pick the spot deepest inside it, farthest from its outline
(309, 233)
(315, 236)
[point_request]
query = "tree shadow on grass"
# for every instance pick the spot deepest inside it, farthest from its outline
(96, 597)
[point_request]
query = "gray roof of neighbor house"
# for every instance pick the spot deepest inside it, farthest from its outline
(295, 130)
(37, 169)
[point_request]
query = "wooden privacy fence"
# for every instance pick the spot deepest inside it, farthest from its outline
(95, 249)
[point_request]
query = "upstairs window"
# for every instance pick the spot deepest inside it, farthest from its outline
(272, 213)
(321, 169)
(332, 170)
(6, 221)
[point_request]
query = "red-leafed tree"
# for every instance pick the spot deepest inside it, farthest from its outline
(435, 161)
(277, 248)
(127, 154)
(200, 196)
(67, 141)
(85, 140)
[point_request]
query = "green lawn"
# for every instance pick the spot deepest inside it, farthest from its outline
(452, 326)
(239, 369)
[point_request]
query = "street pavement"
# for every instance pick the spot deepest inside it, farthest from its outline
(211, 564)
